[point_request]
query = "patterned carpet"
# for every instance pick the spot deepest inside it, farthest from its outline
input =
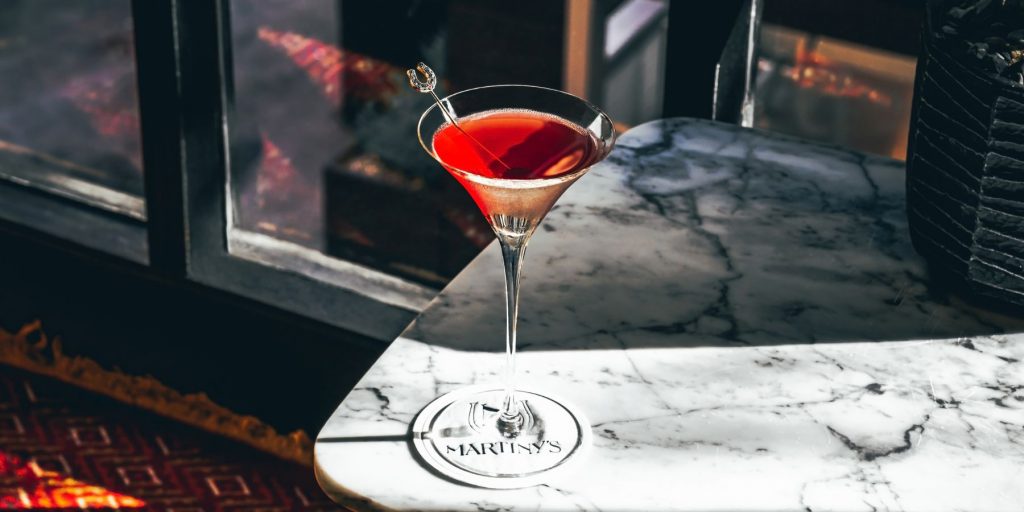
(61, 447)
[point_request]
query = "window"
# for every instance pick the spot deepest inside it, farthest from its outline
(327, 180)
(278, 136)
(810, 69)
(69, 122)
(324, 157)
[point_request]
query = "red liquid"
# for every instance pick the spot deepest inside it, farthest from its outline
(534, 145)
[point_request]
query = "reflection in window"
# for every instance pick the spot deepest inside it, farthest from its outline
(324, 149)
(831, 90)
(69, 120)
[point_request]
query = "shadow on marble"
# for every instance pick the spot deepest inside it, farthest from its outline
(393, 441)
(366, 439)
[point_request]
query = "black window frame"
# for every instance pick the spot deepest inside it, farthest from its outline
(185, 89)
(184, 77)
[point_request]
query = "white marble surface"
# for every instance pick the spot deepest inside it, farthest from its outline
(743, 320)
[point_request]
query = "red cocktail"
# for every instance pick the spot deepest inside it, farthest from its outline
(515, 149)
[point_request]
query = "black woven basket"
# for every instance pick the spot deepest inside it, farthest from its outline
(965, 172)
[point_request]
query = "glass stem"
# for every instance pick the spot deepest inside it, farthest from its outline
(510, 421)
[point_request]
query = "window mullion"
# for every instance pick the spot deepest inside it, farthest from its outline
(158, 69)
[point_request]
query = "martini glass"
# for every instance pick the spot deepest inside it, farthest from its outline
(515, 149)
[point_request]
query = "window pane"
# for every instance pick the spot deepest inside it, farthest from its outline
(837, 91)
(324, 152)
(69, 122)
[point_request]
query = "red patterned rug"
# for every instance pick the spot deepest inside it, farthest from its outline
(63, 448)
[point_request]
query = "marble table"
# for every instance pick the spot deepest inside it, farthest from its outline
(743, 320)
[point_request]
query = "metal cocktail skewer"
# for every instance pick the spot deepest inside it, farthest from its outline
(428, 87)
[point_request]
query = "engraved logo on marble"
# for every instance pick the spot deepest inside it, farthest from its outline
(505, 447)
(482, 419)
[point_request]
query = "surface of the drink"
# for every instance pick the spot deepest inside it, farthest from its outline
(534, 145)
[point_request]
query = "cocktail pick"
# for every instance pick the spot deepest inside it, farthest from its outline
(428, 87)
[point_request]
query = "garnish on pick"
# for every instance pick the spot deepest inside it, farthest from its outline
(428, 86)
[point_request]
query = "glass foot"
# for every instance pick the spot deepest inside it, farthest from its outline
(458, 435)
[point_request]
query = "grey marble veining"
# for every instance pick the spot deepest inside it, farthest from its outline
(744, 322)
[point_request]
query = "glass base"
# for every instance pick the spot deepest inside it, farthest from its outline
(457, 435)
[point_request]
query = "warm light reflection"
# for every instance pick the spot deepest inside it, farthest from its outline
(108, 100)
(280, 187)
(39, 488)
(276, 174)
(329, 67)
(812, 70)
(565, 163)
